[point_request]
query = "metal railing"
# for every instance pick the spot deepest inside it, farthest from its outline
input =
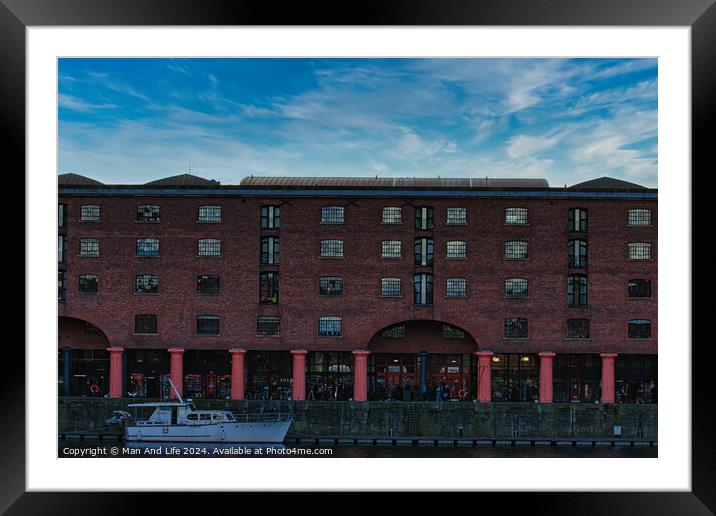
(262, 417)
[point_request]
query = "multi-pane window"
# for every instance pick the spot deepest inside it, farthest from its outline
(332, 248)
(640, 217)
(423, 286)
(640, 329)
(515, 328)
(332, 215)
(146, 284)
(61, 286)
(391, 249)
(516, 250)
(424, 218)
(577, 220)
(145, 324)
(268, 325)
(451, 332)
(209, 213)
(147, 247)
(394, 332)
(577, 290)
(456, 249)
(89, 213)
(270, 217)
(269, 250)
(61, 248)
(516, 287)
(89, 283)
(577, 328)
(329, 327)
(424, 251)
(209, 247)
(207, 325)
(89, 247)
(268, 288)
(330, 286)
(390, 287)
(61, 214)
(639, 251)
(516, 216)
(456, 287)
(577, 250)
(392, 215)
(456, 216)
(208, 285)
(639, 288)
(147, 213)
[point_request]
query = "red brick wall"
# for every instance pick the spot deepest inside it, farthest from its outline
(363, 312)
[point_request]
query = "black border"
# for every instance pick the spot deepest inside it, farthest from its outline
(700, 15)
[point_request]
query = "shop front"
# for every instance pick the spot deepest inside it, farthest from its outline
(270, 375)
(329, 375)
(636, 378)
(207, 374)
(515, 377)
(577, 378)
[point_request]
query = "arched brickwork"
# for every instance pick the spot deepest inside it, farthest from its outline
(422, 335)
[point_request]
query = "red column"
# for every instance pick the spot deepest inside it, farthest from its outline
(176, 371)
(115, 372)
(237, 373)
(299, 374)
(545, 377)
(608, 377)
(484, 376)
(360, 371)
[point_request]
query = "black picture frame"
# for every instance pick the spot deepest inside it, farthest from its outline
(700, 15)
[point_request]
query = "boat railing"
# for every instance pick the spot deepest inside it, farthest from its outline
(262, 417)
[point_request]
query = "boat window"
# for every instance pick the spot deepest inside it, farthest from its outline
(229, 417)
(204, 417)
(192, 417)
(218, 417)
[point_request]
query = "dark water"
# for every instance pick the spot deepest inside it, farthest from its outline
(89, 449)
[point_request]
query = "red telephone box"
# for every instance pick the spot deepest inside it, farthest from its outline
(136, 385)
(210, 385)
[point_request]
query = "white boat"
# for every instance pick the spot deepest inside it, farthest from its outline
(182, 422)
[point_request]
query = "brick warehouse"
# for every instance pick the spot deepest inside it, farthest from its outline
(358, 288)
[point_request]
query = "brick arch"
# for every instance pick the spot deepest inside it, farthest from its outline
(78, 333)
(422, 335)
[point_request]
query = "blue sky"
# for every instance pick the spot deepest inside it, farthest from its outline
(565, 120)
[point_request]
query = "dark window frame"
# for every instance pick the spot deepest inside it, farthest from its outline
(577, 290)
(208, 212)
(147, 213)
(516, 328)
(639, 329)
(145, 247)
(639, 288)
(577, 328)
(386, 283)
(147, 322)
(150, 280)
(426, 222)
(451, 291)
(270, 217)
(326, 289)
(327, 326)
(212, 286)
(509, 293)
(85, 280)
(208, 325)
(268, 288)
(90, 213)
(426, 297)
(268, 326)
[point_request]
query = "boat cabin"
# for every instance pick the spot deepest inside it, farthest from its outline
(177, 414)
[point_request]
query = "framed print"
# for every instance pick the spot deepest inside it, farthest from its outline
(423, 242)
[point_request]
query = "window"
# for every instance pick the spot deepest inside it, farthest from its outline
(424, 252)
(89, 247)
(145, 324)
(89, 213)
(270, 217)
(332, 248)
(577, 290)
(208, 285)
(577, 250)
(640, 217)
(146, 284)
(639, 329)
(147, 247)
(456, 287)
(391, 249)
(269, 250)
(577, 328)
(61, 248)
(423, 284)
(639, 251)
(456, 216)
(392, 215)
(394, 332)
(209, 247)
(268, 288)
(515, 287)
(516, 250)
(577, 220)
(209, 213)
(61, 286)
(515, 328)
(516, 216)
(332, 215)
(268, 325)
(456, 249)
(640, 288)
(424, 219)
(147, 213)
(330, 286)
(451, 332)
(207, 325)
(390, 287)
(61, 214)
(89, 284)
(329, 327)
